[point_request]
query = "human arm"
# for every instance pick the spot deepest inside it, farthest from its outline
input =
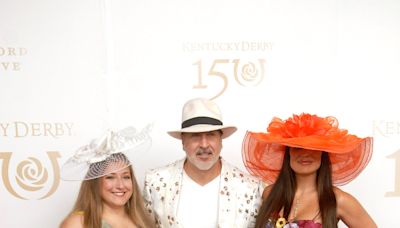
(351, 212)
(74, 220)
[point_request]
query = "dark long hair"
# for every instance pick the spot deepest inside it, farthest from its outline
(284, 189)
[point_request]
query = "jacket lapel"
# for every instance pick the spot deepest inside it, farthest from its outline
(173, 193)
(226, 217)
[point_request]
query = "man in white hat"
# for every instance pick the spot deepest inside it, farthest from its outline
(202, 190)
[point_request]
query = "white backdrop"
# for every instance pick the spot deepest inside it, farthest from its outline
(71, 69)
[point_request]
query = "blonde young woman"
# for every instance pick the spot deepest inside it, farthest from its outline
(302, 158)
(109, 195)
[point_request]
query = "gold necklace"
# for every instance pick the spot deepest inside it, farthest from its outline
(296, 206)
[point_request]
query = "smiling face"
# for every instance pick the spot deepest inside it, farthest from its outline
(116, 188)
(305, 161)
(202, 149)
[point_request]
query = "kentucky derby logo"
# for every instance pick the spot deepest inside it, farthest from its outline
(10, 58)
(249, 73)
(246, 73)
(396, 192)
(386, 128)
(30, 175)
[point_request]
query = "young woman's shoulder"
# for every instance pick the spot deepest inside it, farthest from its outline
(342, 196)
(350, 211)
(74, 220)
(345, 202)
(266, 191)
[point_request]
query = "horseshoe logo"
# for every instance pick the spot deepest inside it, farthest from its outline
(31, 175)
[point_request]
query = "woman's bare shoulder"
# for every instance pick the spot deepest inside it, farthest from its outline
(343, 198)
(339, 193)
(350, 210)
(266, 191)
(74, 220)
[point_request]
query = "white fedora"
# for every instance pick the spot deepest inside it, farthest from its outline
(202, 115)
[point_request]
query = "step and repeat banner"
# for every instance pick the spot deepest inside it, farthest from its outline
(69, 70)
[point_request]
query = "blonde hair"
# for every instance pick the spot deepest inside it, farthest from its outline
(90, 203)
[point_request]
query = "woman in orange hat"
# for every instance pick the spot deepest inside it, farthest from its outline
(302, 158)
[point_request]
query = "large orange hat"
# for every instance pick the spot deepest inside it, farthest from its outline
(263, 152)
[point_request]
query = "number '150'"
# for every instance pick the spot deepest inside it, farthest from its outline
(246, 73)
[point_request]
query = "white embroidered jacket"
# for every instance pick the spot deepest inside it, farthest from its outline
(239, 199)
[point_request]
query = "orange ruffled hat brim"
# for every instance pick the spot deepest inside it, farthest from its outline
(263, 153)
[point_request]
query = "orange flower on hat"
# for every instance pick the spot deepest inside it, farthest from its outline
(302, 125)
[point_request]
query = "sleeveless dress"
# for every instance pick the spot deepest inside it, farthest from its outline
(104, 224)
(307, 224)
(293, 224)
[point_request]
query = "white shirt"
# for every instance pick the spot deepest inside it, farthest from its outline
(198, 205)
